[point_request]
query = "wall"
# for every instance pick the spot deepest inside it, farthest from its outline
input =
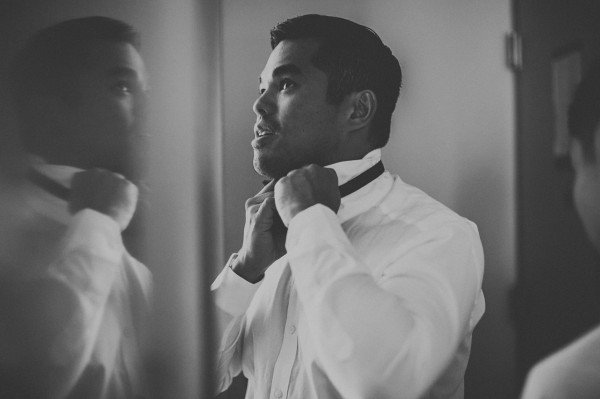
(453, 131)
(180, 47)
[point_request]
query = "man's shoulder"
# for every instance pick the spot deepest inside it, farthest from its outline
(409, 204)
(407, 218)
(581, 353)
(570, 372)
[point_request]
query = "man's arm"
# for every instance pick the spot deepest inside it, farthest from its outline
(59, 312)
(377, 335)
(234, 288)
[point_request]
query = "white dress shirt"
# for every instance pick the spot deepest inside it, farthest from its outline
(378, 301)
(573, 372)
(89, 285)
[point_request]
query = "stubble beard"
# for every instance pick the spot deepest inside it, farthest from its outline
(276, 166)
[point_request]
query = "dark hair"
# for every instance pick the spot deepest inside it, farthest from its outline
(354, 58)
(584, 111)
(53, 55)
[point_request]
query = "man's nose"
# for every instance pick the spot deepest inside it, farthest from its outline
(264, 104)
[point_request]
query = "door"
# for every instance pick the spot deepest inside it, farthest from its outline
(558, 292)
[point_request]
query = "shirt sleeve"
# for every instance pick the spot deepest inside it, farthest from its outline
(88, 262)
(377, 335)
(232, 296)
(57, 312)
(570, 373)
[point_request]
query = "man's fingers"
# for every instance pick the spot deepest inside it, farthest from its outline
(266, 192)
(266, 213)
(333, 177)
(269, 187)
(104, 192)
(252, 209)
(262, 210)
(258, 200)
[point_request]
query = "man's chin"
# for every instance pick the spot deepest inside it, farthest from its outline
(270, 169)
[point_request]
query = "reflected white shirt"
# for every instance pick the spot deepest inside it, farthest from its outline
(97, 352)
(573, 372)
(377, 301)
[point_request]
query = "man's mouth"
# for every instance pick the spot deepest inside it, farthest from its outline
(263, 131)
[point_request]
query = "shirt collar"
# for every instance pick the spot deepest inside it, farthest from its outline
(346, 170)
(43, 202)
(61, 174)
(366, 197)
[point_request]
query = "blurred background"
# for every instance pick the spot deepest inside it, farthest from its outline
(475, 127)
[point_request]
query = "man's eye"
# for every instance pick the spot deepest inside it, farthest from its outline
(286, 84)
(261, 90)
(123, 87)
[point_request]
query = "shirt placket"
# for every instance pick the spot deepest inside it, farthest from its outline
(287, 354)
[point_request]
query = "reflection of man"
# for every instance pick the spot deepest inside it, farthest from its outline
(73, 300)
(373, 295)
(574, 372)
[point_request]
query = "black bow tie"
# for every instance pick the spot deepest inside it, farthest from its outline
(46, 183)
(358, 182)
(352, 185)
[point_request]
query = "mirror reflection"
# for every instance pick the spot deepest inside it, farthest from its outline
(74, 301)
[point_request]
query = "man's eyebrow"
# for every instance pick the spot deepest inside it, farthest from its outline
(121, 70)
(285, 69)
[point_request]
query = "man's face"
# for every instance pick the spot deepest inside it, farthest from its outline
(295, 125)
(103, 124)
(586, 191)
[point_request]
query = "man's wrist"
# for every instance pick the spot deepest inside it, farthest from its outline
(239, 266)
(294, 210)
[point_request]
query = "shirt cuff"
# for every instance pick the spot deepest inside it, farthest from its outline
(96, 231)
(315, 243)
(314, 224)
(233, 293)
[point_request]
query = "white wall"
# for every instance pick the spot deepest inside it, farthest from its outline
(184, 237)
(453, 131)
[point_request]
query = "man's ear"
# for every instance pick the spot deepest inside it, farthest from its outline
(362, 107)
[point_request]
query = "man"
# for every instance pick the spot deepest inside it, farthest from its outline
(574, 372)
(73, 300)
(375, 288)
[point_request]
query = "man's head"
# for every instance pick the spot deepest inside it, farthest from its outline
(328, 92)
(584, 127)
(77, 87)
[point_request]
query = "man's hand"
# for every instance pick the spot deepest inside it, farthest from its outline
(264, 236)
(305, 187)
(106, 192)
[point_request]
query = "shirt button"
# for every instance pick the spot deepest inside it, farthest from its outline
(278, 394)
(293, 329)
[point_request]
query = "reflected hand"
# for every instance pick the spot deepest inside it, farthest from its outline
(106, 192)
